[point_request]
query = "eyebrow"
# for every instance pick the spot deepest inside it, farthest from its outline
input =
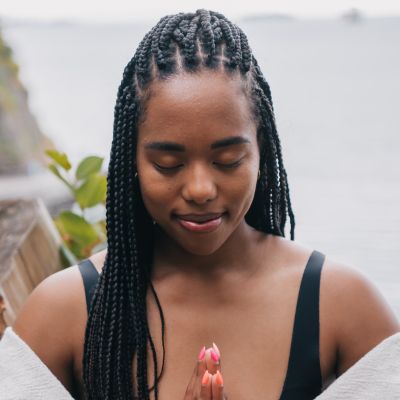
(172, 146)
(229, 141)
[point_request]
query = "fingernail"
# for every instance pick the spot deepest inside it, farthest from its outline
(202, 353)
(218, 379)
(215, 347)
(214, 355)
(206, 378)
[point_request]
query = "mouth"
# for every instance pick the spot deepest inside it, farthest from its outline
(200, 223)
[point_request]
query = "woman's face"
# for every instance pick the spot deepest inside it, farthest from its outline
(198, 158)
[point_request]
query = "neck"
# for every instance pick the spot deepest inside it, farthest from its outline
(238, 254)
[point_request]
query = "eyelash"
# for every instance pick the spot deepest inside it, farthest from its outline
(231, 165)
(165, 169)
(171, 169)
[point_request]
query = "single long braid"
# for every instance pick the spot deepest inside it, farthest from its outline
(117, 331)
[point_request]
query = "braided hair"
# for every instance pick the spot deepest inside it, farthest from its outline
(117, 330)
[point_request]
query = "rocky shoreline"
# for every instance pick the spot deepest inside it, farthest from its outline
(22, 143)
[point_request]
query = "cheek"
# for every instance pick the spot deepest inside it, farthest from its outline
(155, 191)
(241, 190)
(156, 194)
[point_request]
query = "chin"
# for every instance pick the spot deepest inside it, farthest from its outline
(201, 246)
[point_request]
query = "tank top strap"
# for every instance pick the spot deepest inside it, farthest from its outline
(304, 371)
(90, 276)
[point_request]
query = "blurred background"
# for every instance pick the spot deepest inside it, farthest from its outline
(334, 71)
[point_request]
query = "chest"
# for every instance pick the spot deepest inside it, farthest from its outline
(252, 351)
(253, 331)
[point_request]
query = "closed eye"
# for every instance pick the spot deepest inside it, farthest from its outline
(221, 165)
(166, 169)
(231, 165)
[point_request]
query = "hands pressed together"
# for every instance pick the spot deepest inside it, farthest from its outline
(206, 382)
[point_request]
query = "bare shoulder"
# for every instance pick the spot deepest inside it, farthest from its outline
(354, 315)
(360, 317)
(53, 310)
(50, 319)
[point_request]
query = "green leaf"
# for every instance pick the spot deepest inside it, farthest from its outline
(53, 168)
(88, 166)
(60, 158)
(77, 228)
(93, 191)
(67, 257)
(101, 230)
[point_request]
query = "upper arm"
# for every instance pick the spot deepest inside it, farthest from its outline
(362, 317)
(48, 320)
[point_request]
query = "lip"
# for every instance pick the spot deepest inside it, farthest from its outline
(199, 217)
(213, 221)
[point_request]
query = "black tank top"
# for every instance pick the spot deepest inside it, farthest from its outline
(303, 377)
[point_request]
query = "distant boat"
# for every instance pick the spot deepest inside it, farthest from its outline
(353, 15)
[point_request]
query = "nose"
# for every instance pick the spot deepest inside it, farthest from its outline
(199, 186)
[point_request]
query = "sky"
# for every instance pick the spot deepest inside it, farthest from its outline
(124, 10)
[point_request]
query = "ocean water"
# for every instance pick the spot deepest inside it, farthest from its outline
(335, 87)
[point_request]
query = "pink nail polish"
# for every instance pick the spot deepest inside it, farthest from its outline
(215, 347)
(202, 353)
(206, 378)
(214, 355)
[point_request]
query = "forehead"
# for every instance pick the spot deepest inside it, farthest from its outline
(207, 106)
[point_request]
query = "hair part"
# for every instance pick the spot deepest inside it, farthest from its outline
(117, 331)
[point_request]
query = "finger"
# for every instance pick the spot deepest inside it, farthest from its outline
(198, 371)
(190, 389)
(195, 375)
(217, 387)
(213, 361)
(206, 390)
(216, 349)
(201, 362)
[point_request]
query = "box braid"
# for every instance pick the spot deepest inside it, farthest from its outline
(117, 333)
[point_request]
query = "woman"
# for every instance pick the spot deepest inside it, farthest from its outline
(196, 212)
